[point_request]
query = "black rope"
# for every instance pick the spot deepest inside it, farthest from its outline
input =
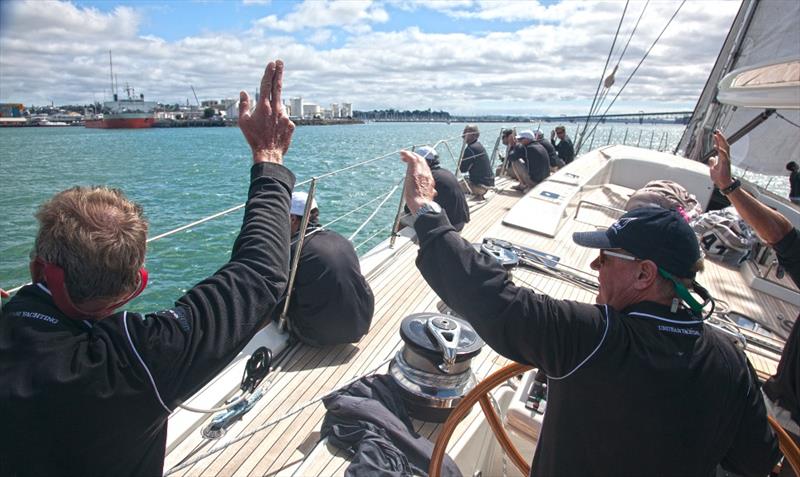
(602, 77)
(637, 66)
(787, 119)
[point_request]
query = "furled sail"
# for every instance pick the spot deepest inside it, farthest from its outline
(763, 34)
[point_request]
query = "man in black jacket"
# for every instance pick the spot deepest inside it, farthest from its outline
(477, 163)
(530, 161)
(87, 390)
(782, 389)
(448, 193)
(555, 161)
(331, 302)
(634, 387)
(564, 147)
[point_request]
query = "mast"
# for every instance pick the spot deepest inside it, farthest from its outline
(111, 72)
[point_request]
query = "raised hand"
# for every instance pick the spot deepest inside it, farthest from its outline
(720, 167)
(267, 129)
(419, 184)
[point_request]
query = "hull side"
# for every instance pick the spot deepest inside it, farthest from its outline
(121, 123)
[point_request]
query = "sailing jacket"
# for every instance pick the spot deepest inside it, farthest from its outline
(640, 391)
(332, 303)
(552, 155)
(477, 163)
(536, 159)
(450, 196)
(784, 386)
(565, 149)
(93, 397)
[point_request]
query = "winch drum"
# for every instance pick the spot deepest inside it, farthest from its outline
(433, 367)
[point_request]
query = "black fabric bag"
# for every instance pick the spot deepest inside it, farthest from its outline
(369, 421)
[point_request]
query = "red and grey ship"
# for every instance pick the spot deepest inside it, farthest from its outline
(131, 113)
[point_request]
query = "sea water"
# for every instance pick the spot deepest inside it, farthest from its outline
(180, 175)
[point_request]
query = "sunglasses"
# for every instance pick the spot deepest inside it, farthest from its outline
(608, 253)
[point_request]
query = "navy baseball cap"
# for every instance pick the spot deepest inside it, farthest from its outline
(650, 233)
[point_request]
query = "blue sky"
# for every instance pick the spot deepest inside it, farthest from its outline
(464, 56)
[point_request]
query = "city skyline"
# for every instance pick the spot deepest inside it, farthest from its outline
(466, 57)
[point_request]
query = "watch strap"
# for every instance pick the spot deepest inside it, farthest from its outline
(732, 187)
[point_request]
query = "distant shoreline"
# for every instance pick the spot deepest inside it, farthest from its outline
(192, 123)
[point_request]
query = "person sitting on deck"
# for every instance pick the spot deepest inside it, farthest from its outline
(637, 383)
(552, 155)
(564, 148)
(509, 140)
(331, 302)
(530, 161)
(448, 193)
(476, 162)
(794, 182)
(86, 389)
(783, 389)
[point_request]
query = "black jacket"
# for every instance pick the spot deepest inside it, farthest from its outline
(631, 392)
(552, 155)
(332, 302)
(450, 196)
(92, 398)
(477, 163)
(535, 157)
(784, 387)
(565, 149)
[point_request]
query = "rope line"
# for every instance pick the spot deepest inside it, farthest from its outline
(647, 53)
(274, 422)
(787, 119)
(374, 212)
(602, 77)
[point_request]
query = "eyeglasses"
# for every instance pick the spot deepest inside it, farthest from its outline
(608, 253)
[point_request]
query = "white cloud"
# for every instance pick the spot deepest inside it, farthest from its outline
(256, 2)
(325, 13)
(57, 50)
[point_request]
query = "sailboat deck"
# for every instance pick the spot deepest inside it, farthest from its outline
(286, 447)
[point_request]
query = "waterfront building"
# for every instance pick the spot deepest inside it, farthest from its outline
(347, 110)
(12, 114)
(311, 110)
(334, 110)
(296, 107)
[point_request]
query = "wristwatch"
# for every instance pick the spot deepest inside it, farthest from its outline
(431, 207)
(732, 187)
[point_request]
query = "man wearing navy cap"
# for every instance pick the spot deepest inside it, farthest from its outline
(637, 384)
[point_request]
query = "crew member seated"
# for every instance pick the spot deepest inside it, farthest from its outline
(331, 302)
(448, 193)
(477, 163)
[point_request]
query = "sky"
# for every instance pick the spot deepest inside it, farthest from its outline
(467, 57)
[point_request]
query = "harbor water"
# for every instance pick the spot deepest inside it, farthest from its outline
(183, 175)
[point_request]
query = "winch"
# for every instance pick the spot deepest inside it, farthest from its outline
(433, 367)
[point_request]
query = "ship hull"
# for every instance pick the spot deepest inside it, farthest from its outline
(121, 123)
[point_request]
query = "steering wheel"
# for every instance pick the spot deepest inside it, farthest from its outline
(479, 394)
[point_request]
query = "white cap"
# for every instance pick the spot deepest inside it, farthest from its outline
(526, 134)
(428, 153)
(299, 203)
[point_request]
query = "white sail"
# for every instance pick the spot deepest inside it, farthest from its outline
(763, 31)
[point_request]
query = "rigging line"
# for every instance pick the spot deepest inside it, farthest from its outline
(638, 65)
(602, 77)
(372, 215)
(384, 229)
(272, 423)
(632, 32)
(786, 119)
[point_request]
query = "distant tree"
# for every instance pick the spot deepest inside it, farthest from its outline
(209, 112)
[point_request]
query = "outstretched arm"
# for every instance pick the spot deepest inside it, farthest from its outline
(769, 224)
(185, 346)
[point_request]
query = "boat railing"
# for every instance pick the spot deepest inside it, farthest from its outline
(381, 198)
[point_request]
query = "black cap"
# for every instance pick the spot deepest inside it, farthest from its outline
(650, 233)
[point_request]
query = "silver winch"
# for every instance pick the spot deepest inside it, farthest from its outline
(433, 367)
